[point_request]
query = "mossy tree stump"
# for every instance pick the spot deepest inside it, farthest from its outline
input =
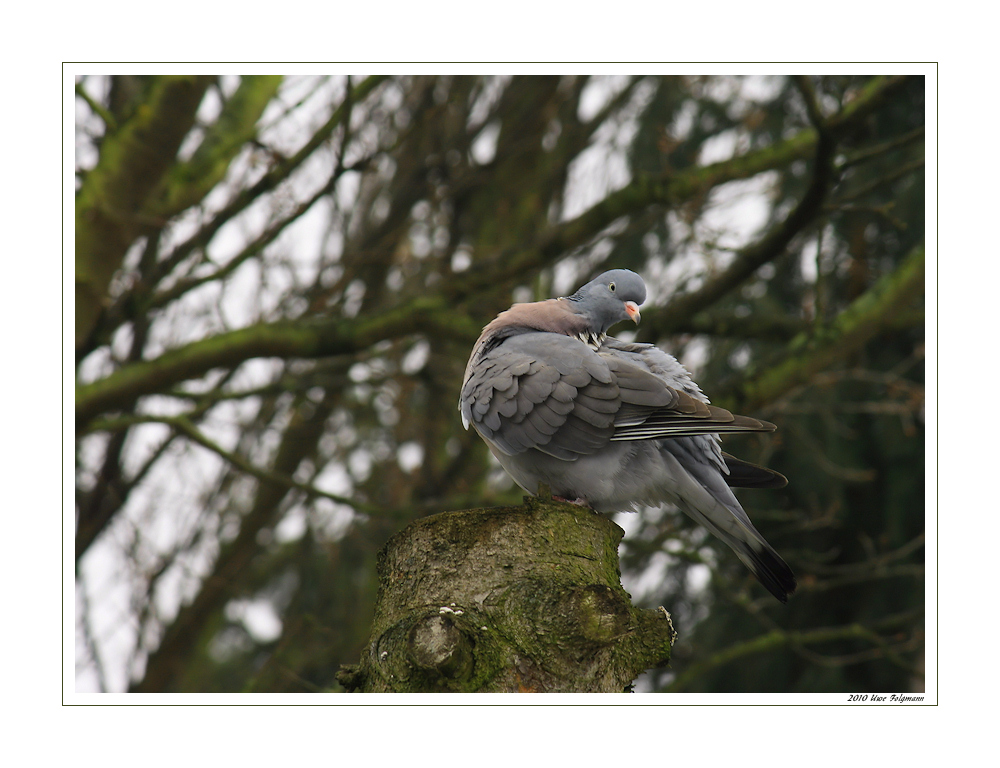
(507, 599)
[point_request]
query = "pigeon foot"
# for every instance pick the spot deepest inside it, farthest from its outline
(578, 502)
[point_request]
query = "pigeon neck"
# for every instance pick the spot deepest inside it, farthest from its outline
(550, 316)
(592, 334)
(591, 339)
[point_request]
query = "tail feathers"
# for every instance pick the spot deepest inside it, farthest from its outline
(768, 568)
(704, 493)
(743, 474)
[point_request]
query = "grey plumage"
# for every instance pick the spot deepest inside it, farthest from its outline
(611, 424)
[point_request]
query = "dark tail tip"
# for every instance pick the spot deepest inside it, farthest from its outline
(773, 572)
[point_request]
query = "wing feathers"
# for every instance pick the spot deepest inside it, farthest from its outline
(551, 392)
(542, 391)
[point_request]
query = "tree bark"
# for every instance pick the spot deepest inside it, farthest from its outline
(507, 599)
(133, 162)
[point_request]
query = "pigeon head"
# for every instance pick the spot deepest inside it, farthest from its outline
(610, 298)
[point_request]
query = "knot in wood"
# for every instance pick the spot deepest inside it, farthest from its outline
(602, 615)
(436, 644)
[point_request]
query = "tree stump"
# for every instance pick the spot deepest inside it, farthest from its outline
(507, 599)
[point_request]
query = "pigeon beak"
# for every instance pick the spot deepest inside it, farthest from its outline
(633, 311)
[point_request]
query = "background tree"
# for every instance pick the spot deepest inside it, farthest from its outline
(278, 284)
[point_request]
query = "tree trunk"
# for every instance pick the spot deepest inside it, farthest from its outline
(507, 599)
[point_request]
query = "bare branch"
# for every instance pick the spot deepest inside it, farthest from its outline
(780, 638)
(184, 426)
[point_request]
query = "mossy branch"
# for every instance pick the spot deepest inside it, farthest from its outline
(110, 124)
(189, 182)
(673, 188)
(321, 338)
(110, 200)
(810, 352)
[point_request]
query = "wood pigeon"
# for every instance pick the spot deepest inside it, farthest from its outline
(609, 424)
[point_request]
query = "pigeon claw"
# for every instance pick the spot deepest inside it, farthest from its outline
(576, 502)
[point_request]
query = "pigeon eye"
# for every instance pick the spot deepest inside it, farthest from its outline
(611, 287)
